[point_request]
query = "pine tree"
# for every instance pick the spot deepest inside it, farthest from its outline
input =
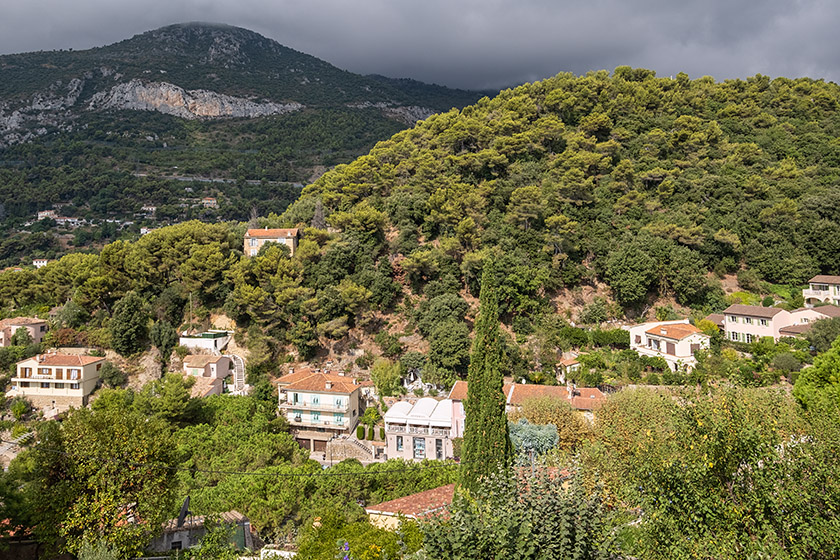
(128, 326)
(487, 446)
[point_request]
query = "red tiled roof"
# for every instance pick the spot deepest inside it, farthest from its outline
(422, 504)
(676, 331)
(20, 321)
(716, 318)
(828, 310)
(569, 361)
(201, 360)
(825, 279)
(272, 233)
(316, 382)
(752, 311)
(206, 386)
(64, 360)
(458, 391)
(794, 330)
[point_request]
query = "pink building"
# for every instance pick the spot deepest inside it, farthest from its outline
(747, 323)
(822, 288)
(256, 238)
(419, 431)
(36, 328)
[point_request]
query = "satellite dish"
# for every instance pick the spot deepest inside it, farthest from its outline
(184, 512)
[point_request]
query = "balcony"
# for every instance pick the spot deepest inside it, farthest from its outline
(419, 430)
(320, 423)
(328, 407)
(806, 293)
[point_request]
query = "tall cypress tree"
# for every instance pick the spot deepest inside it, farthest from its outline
(487, 444)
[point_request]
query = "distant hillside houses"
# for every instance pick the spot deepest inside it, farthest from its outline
(674, 341)
(749, 323)
(256, 238)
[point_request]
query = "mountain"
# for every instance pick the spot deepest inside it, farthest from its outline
(178, 113)
(192, 71)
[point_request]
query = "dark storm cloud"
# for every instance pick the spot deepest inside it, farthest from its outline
(476, 43)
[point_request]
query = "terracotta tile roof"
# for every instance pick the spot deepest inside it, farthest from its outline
(828, 310)
(206, 386)
(422, 504)
(64, 360)
(716, 318)
(752, 311)
(676, 331)
(201, 360)
(825, 279)
(272, 233)
(20, 321)
(794, 330)
(316, 382)
(459, 391)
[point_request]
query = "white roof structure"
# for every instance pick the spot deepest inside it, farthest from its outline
(426, 412)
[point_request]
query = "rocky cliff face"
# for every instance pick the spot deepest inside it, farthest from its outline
(173, 100)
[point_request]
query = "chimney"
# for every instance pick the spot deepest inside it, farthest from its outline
(663, 332)
(341, 373)
(329, 385)
(355, 381)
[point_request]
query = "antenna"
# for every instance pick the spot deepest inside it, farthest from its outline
(184, 512)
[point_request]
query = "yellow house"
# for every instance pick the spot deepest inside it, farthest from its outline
(56, 381)
(256, 238)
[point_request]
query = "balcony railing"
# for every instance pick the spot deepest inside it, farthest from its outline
(419, 430)
(815, 293)
(312, 406)
(330, 423)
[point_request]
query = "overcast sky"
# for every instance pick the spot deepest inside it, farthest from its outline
(476, 43)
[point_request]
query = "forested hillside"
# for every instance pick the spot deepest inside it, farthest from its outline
(644, 182)
(631, 186)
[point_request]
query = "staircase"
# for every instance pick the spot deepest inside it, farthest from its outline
(344, 447)
(238, 372)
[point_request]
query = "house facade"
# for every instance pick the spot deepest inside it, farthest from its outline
(319, 405)
(256, 238)
(36, 328)
(674, 341)
(423, 430)
(56, 381)
(202, 365)
(214, 341)
(188, 533)
(822, 289)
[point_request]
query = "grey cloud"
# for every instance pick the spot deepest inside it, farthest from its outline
(476, 43)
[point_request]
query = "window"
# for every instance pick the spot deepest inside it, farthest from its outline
(419, 448)
(43, 371)
(749, 338)
(339, 403)
(316, 399)
(45, 385)
(59, 385)
(316, 416)
(439, 449)
(252, 242)
(733, 336)
(59, 373)
(399, 443)
(748, 320)
(762, 322)
(733, 319)
(294, 398)
(638, 339)
(254, 252)
(74, 374)
(339, 418)
(43, 328)
(24, 384)
(74, 385)
(98, 367)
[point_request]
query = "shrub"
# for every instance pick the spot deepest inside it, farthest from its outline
(112, 376)
(382, 433)
(360, 432)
